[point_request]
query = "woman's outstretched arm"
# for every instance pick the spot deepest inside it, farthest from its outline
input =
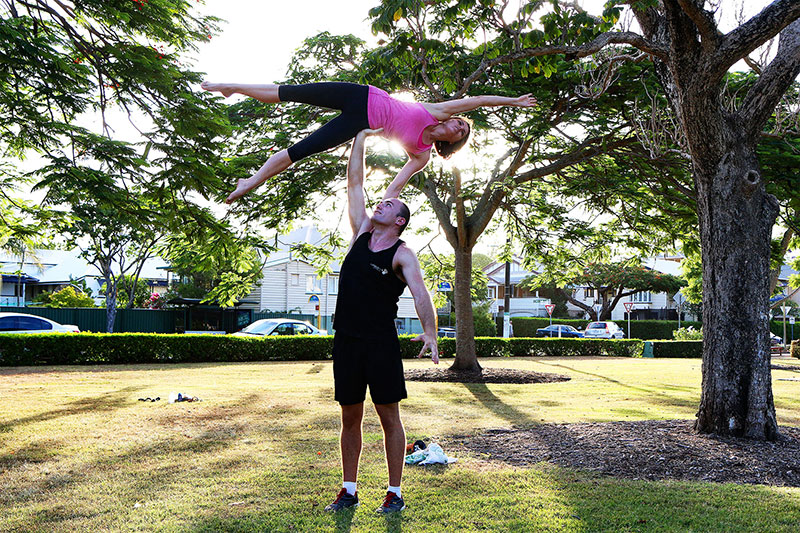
(415, 163)
(445, 110)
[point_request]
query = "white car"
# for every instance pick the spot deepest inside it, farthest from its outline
(279, 326)
(603, 330)
(22, 323)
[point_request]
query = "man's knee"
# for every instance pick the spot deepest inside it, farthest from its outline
(352, 415)
(389, 414)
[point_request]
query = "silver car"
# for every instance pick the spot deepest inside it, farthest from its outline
(603, 330)
(279, 326)
(24, 323)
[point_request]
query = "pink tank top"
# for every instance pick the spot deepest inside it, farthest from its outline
(401, 121)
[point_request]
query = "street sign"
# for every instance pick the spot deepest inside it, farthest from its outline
(444, 286)
(550, 308)
(313, 298)
(791, 320)
(628, 306)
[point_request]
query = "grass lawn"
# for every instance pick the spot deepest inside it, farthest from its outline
(78, 452)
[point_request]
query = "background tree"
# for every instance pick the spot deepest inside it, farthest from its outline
(101, 92)
(448, 50)
(612, 282)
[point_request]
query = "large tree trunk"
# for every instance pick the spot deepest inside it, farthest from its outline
(466, 357)
(736, 218)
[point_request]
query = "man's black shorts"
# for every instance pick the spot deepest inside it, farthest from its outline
(358, 363)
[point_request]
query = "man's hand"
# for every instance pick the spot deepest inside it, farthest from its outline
(430, 344)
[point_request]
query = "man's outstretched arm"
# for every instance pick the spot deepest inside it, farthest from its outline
(356, 208)
(412, 274)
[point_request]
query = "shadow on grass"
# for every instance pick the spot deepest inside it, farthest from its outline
(104, 403)
(653, 395)
(494, 404)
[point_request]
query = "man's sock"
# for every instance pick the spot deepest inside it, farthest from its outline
(350, 486)
(396, 490)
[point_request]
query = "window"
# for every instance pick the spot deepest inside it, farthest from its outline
(588, 293)
(283, 329)
(491, 293)
(333, 285)
(302, 329)
(313, 284)
(295, 280)
(642, 297)
(9, 323)
(31, 323)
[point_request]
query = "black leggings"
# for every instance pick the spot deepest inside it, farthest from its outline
(349, 98)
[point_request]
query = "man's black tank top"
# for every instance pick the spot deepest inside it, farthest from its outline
(369, 290)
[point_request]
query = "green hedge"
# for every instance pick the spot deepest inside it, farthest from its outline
(795, 350)
(684, 349)
(137, 348)
(132, 348)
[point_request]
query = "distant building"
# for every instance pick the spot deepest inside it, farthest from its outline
(52, 270)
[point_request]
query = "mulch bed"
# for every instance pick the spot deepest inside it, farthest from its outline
(650, 450)
(487, 375)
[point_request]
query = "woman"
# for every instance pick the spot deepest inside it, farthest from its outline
(417, 126)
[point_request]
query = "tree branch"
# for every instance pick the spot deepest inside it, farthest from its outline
(765, 94)
(755, 32)
(571, 53)
(706, 26)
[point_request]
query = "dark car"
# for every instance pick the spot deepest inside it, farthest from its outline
(557, 330)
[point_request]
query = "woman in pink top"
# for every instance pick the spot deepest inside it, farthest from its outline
(417, 126)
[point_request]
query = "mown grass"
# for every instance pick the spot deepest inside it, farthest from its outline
(78, 452)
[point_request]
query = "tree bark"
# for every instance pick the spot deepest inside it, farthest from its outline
(736, 218)
(466, 356)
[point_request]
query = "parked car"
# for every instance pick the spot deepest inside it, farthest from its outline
(446, 332)
(558, 330)
(774, 340)
(23, 323)
(279, 326)
(603, 330)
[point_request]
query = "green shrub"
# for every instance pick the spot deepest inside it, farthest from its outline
(795, 350)
(683, 348)
(132, 348)
(688, 334)
(554, 347)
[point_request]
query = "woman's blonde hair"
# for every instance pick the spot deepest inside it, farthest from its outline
(446, 149)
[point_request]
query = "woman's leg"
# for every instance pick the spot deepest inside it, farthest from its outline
(263, 93)
(350, 98)
(274, 165)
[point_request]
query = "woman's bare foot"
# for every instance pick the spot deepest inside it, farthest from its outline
(243, 187)
(223, 88)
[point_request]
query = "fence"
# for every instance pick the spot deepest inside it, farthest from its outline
(149, 320)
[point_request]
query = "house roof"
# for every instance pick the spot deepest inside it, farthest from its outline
(63, 266)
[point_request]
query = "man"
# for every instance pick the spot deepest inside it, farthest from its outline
(366, 351)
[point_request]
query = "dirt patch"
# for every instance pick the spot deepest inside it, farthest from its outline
(487, 375)
(651, 450)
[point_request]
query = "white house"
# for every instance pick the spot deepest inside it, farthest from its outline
(522, 302)
(291, 284)
(51, 270)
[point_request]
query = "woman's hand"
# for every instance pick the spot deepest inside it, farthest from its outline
(526, 100)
